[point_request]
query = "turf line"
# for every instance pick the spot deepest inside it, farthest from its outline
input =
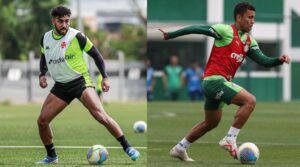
(108, 147)
(210, 142)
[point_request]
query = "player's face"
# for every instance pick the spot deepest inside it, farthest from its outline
(61, 24)
(247, 20)
(174, 60)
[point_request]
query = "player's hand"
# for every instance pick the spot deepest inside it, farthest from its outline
(165, 34)
(43, 81)
(105, 85)
(285, 59)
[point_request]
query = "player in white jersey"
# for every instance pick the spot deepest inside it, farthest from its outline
(62, 55)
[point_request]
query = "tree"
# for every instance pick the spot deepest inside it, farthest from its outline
(23, 23)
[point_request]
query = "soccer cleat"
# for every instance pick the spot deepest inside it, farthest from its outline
(180, 154)
(132, 153)
(230, 147)
(48, 160)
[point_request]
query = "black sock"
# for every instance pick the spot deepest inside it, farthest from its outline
(50, 150)
(123, 142)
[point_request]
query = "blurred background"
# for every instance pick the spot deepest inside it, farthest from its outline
(276, 30)
(116, 28)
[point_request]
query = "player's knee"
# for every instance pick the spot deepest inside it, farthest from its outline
(211, 125)
(42, 122)
(251, 102)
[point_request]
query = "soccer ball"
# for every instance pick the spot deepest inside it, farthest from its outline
(140, 127)
(248, 153)
(97, 154)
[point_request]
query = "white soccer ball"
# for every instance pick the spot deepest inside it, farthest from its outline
(248, 153)
(97, 154)
(140, 127)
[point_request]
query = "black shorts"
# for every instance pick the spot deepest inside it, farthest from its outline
(70, 90)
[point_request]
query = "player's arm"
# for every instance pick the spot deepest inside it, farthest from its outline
(259, 57)
(43, 66)
(165, 78)
(88, 47)
(194, 29)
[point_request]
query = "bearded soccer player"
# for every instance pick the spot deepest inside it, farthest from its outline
(231, 46)
(62, 55)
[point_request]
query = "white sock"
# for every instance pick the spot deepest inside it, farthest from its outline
(183, 144)
(232, 134)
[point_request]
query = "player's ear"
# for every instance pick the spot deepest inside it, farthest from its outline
(238, 17)
(53, 21)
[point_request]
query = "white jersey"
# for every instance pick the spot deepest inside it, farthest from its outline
(57, 59)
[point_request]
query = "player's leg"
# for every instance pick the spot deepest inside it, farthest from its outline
(51, 107)
(91, 101)
(192, 95)
(246, 102)
(212, 119)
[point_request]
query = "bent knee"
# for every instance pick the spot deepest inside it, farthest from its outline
(41, 121)
(251, 102)
(211, 125)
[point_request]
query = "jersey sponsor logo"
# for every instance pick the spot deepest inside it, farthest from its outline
(238, 57)
(63, 44)
(61, 59)
(55, 61)
(219, 95)
(69, 56)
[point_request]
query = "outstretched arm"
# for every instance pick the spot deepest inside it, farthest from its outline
(257, 55)
(194, 29)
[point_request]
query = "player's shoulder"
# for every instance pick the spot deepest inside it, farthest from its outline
(253, 42)
(221, 27)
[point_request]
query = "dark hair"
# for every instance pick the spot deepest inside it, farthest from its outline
(241, 8)
(60, 11)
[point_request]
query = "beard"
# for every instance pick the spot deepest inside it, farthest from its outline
(61, 31)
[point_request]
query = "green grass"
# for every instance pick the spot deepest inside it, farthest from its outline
(73, 127)
(274, 127)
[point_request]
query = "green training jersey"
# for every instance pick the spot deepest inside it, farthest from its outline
(173, 73)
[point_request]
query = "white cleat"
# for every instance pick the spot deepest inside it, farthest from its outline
(180, 154)
(230, 147)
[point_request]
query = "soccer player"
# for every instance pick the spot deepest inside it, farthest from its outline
(150, 83)
(192, 78)
(232, 44)
(171, 78)
(62, 55)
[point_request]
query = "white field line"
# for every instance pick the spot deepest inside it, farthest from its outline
(216, 142)
(108, 147)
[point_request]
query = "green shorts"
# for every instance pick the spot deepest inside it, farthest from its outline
(218, 91)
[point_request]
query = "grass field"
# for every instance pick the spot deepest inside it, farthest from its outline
(73, 127)
(274, 127)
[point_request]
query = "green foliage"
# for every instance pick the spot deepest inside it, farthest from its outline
(22, 24)
(131, 40)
